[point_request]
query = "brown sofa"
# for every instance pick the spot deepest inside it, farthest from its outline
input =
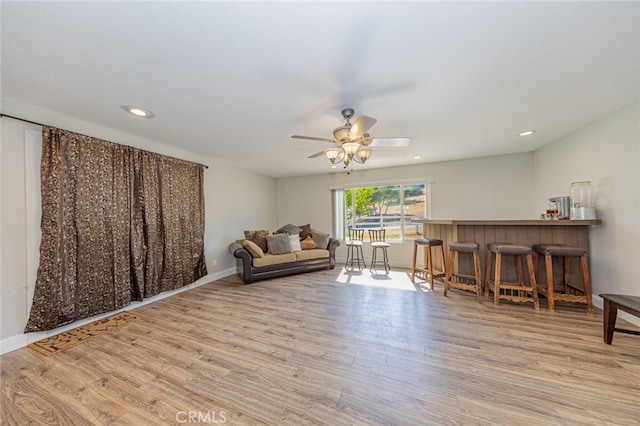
(253, 268)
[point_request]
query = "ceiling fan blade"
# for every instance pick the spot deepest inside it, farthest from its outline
(360, 126)
(311, 138)
(390, 142)
(316, 155)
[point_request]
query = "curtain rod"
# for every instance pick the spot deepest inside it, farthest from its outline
(40, 124)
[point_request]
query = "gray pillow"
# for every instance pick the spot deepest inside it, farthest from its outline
(321, 239)
(279, 244)
(289, 229)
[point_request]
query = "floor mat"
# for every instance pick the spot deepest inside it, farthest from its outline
(78, 335)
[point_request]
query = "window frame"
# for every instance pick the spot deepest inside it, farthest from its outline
(339, 207)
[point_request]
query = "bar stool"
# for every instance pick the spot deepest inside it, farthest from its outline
(376, 236)
(512, 291)
(427, 272)
(354, 247)
(565, 291)
(463, 281)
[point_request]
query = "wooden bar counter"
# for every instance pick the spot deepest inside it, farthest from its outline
(522, 232)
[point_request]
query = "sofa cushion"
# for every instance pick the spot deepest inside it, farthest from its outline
(308, 243)
(273, 259)
(306, 231)
(253, 248)
(261, 242)
(289, 229)
(279, 244)
(321, 239)
(294, 240)
(250, 235)
(312, 254)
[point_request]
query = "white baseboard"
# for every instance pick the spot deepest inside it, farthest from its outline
(21, 340)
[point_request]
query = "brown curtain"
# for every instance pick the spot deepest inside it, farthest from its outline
(118, 224)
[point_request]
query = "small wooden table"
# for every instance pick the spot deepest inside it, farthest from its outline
(613, 302)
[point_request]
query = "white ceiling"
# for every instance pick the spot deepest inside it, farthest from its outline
(234, 80)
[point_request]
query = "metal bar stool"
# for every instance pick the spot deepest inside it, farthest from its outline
(565, 291)
(427, 272)
(376, 236)
(354, 248)
(464, 281)
(513, 291)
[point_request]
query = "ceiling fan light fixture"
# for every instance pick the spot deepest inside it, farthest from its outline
(363, 154)
(332, 154)
(350, 148)
(351, 141)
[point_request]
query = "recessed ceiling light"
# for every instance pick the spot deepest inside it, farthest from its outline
(527, 133)
(334, 167)
(417, 157)
(138, 111)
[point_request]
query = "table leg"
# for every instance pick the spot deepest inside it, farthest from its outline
(610, 314)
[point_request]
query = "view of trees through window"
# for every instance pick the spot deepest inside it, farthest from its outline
(390, 207)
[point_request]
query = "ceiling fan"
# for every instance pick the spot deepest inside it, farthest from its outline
(352, 142)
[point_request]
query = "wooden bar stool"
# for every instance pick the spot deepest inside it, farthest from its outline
(377, 239)
(513, 291)
(464, 281)
(354, 247)
(427, 272)
(565, 291)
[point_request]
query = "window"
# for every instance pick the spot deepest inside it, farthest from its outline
(390, 207)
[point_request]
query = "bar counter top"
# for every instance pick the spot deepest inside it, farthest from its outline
(508, 222)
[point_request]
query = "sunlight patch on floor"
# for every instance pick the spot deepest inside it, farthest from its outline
(399, 280)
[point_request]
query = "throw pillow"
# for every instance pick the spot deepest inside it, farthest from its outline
(308, 243)
(295, 242)
(321, 239)
(306, 231)
(253, 248)
(261, 242)
(250, 235)
(289, 229)
(279, 244)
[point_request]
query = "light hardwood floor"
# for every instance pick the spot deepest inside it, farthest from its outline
(333, 348)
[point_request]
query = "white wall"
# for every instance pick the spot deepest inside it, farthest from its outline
(498, 187)
(607, 153)
(235, 200)
(14, 298)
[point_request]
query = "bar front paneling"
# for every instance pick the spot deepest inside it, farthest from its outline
(522, 232)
